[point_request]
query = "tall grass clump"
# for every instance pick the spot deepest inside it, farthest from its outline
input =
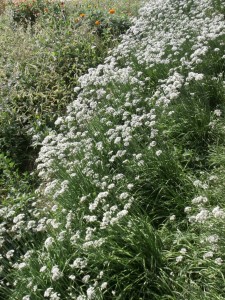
(130, 204)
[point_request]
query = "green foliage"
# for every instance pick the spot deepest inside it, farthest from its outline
(12, 183)
(105, 23)
(26, 12)
(36, 90)
(131, 259)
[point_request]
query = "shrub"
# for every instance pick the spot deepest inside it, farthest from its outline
(26, 12)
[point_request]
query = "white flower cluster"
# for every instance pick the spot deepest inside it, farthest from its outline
(49, 293)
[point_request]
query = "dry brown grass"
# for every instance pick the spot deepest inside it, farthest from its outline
(2, 6)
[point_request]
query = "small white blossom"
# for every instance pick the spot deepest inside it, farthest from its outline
(48, 242)
(218, 212)
(43, 269)
(179, 258)
(208, 255)
(10, 254)
(172, 218)
(86, 278)
(48, 292)
(56, 273)
(202, 216)
(217, 112)
(213, 238)
(158, 152)
(91, 293)
(219, 261)
(183, 251)
(103, 286)
(187, 209)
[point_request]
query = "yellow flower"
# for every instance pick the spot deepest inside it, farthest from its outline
(82, 15)
(112, 11)
(97, 22)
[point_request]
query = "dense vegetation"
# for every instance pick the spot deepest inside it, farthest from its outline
(112, 150)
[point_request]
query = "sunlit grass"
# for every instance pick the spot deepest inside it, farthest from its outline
(129, 133)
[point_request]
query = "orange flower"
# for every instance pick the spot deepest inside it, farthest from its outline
(97, 22)
(112, 11)
(82, 15)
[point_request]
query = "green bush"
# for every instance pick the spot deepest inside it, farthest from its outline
(12, 184)
(26, 12)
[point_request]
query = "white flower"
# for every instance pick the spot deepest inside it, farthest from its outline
(91, 292)
(86, 278)
(179, 258)
(217, 112)
(55, 296)
(197, 183)
(31, 224)
(195, 76)
(199, 200)
(48, 292)
(54, 207)
(219, 261)
(81, 297)
(117, 140)
(21, 265)
(123, 196)
(72, 277)
(62, 235)
(48, 242)
(183, 251)
(158, 152)
(79, 263)
(152, 144)
(27, 297)
(18, 218)
(56, 273)
(130, 186)
(218, 212)
(43, 269)
(1, 268)
(208, 255)
(35, 288)
(172, 218)
(76, 89)
(103, 286)
(9, 254)
(213, 238)
(202, 216)
(187, 209)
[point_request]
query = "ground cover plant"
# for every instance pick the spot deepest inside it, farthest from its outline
(130, 203)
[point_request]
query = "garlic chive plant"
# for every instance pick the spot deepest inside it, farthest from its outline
(131, 200)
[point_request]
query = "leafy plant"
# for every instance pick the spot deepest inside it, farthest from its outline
(25, 12)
